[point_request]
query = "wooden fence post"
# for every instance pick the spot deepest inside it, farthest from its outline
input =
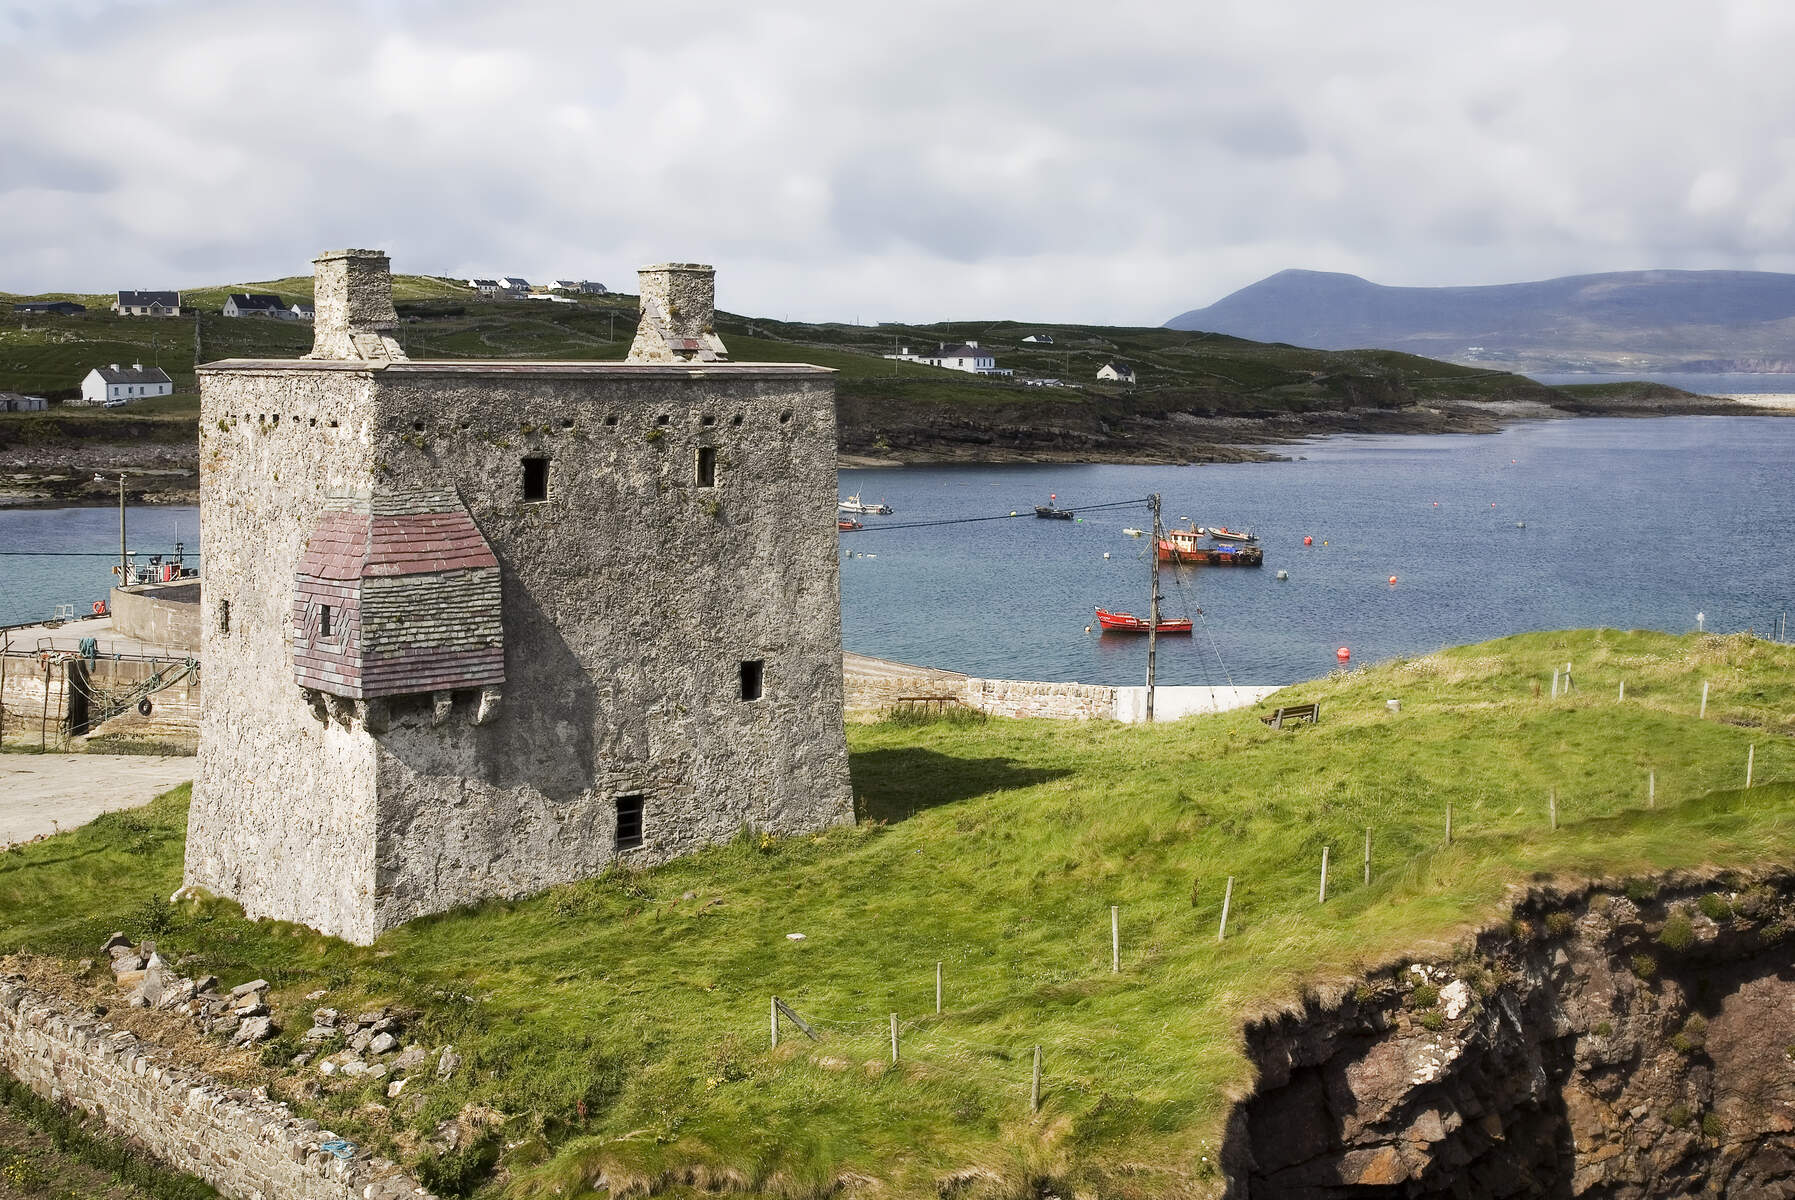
(1554, 683)
(1651, 789)
(1367, 856)
(937, 987)
(1552, 806)
(1704, 709)
(1622, 696)
(775, 1017)
(1323, 897)
(1034, 1087)
(1227, 898)
(894, 1044)
(1115, 939)
(1750, 753)
(1449, 824)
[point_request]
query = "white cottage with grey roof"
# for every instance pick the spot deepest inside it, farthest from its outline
(114, 385)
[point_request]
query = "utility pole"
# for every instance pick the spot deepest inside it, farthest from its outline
(1153, 607)
(122, 578)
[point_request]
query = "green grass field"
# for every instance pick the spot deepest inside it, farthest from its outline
(622, 1023)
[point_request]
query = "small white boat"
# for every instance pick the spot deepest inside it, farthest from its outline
(1135, 532)
(854, 504)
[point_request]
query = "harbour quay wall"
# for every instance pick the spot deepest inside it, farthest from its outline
(162, 614)
(241, 1143)
(36, 694)
(875, 687)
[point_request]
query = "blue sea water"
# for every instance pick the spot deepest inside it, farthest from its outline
(1630, 523)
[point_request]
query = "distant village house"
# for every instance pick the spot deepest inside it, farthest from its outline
(1039, 339)
(488, 288)
(1116, 372)
(257, 304)
(14, 402)
(968, 357)
(54, 308)
(111, 386)
(584, 287)
(517, 285)
(148, 304)
(303, 311)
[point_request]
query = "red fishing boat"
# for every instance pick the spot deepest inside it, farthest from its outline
(1129, 623)
(847, 524)
(1185, 547)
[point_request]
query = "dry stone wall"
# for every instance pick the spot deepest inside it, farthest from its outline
(871, 695)
(246, 1146)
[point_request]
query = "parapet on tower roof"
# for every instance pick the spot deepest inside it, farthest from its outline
(353, 299)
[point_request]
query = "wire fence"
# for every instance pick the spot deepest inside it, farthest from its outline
(1360, 860)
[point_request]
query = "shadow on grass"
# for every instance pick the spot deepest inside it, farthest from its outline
(892, 785)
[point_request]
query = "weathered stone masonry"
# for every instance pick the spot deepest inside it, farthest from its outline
(658, 528)
(242, 1144)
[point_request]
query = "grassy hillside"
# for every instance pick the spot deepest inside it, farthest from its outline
(620, 1025)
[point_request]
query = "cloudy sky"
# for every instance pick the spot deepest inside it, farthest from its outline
(1111, 161)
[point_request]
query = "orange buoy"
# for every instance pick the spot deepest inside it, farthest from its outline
(1436, 504)
(1343, 654)
(1308, 541)
(1492, 504)
(1392, 581)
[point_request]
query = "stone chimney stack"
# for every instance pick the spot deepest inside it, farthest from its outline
(353, 298)
(679, 309)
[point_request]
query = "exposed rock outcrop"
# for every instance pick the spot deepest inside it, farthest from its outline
(1617, 1043)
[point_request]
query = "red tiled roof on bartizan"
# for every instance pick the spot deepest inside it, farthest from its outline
(352, 545)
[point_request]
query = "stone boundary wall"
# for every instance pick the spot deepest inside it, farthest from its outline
(870, 695)
(246, 1146)
(163, 615)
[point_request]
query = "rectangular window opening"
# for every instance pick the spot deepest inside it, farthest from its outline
(324, 620)
(754, 672)
(535, 479)
(629, 821)
(224, 616)
(707, 466)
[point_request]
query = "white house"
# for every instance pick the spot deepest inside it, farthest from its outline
(966, 357)
(1039, 339)
(148, 304)
(514, 283)
(585, 287)
(1116, 372)
(110, 386)
(488, 288)
(256, 304)
(303, 311)
(14, 402)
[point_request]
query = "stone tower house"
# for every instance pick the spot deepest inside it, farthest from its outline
(475, 628)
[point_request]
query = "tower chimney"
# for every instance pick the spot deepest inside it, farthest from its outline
(353, 301)
(678, 315)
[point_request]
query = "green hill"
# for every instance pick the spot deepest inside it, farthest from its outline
(619, 1027)
(1200, 395)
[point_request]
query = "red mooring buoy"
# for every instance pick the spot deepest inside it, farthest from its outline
(1392, 581)
(1308, 541)
(1343, 654)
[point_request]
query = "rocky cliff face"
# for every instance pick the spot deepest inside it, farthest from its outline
(1621, 1043)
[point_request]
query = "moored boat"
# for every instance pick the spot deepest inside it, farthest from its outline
(1050, 513)
(1184, 547)
(854, 504)
(1121, 622)
(1222, 533)
(847, 524)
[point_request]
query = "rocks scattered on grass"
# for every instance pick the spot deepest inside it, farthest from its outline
(448, 1063)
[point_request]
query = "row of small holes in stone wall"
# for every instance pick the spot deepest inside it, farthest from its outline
(271, 421)
(611, 420)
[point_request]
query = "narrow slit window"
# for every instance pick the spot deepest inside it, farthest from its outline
(707, 466)
(535, 479)
(224, 616)
(324, 620)
(629, 821)
(754, 674)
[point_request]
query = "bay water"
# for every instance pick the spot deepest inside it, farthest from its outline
(1547, 524)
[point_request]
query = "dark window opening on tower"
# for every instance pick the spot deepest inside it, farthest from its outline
(324, 620)
(707, 466)
(629, 821)
(535, 479)
(753, 678)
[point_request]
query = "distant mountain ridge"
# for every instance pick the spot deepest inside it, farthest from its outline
(1619, 321)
